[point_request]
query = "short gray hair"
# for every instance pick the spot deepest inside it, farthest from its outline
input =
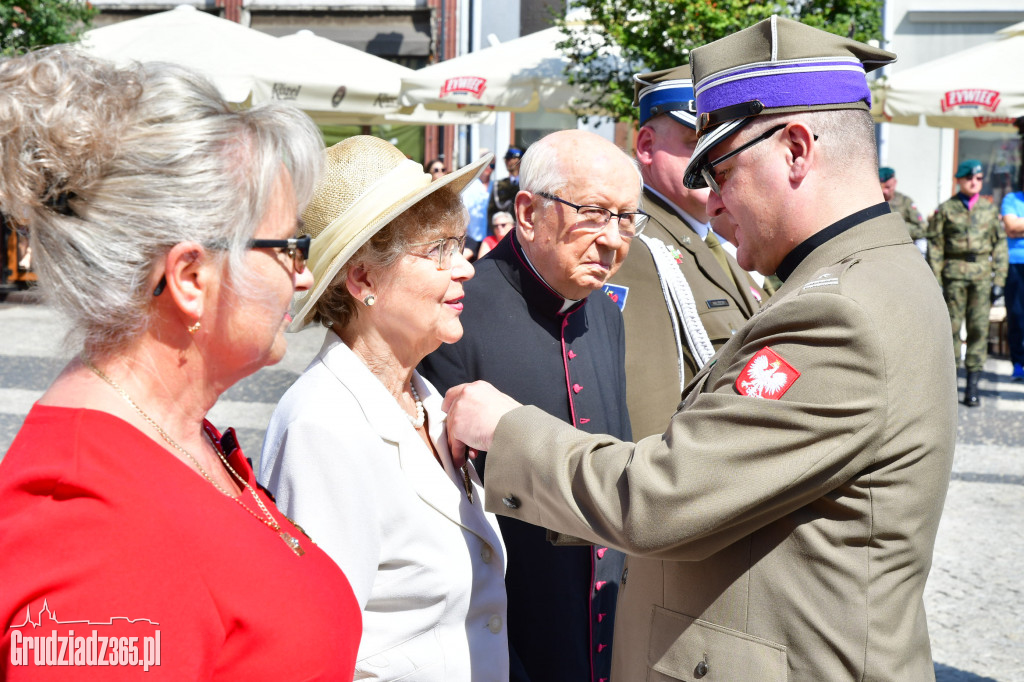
(541, 168)
(846, 137)
(503, 214)
(110, 167)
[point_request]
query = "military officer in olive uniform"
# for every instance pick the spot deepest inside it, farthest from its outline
(781, 528)
(681, 294)
(905, 207)
(967, 252)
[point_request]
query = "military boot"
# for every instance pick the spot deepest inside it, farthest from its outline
(971, 391)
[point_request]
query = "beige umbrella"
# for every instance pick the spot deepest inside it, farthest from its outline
(336, 85)
(525, 74)
(227, 53)
(977, 88)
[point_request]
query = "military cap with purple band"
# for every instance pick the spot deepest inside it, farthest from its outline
(776, 66)
(669, 91)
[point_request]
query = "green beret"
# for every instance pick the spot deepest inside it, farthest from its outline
(886, 173)
(969, 167)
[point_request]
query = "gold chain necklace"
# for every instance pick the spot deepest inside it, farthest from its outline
(268, 518)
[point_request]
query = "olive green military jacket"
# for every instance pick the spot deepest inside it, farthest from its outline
(905, 207)
(773, 539)
(957, 236)
(652, 362)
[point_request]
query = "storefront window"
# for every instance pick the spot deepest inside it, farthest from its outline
(1000, 153)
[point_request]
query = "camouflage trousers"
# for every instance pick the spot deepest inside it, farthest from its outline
(969, 300)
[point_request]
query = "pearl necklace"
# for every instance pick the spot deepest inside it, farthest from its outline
(418, 421)
(421, 416)
(269, 519)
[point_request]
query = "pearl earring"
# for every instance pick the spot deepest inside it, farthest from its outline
(369, 300)
(193, 328)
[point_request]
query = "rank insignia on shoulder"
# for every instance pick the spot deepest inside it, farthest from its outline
(767, 375)
(617, 293)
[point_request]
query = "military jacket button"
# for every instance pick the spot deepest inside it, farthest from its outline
(486, 554)
(494, 624)
(512, 502)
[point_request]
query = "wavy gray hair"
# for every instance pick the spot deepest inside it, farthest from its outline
(110, 167)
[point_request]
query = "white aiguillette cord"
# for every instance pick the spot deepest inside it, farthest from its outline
(268, 518)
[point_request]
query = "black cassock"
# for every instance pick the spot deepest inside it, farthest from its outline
(561, 599)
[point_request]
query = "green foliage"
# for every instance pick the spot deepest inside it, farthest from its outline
(650, 35)
(25, 24)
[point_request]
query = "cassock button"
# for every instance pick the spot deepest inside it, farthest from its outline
(486, 554)
(512, 502)
(494, 624)
(572, 354)
(576, 388)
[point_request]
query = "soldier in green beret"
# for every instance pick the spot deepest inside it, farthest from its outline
(967, 252)
(903, 205)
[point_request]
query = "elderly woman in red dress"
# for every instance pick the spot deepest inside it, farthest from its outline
(163, 226)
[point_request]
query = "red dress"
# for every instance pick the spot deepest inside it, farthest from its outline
(106, 536)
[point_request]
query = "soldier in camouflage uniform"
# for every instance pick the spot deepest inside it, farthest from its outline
(905, 207)
(967, 252)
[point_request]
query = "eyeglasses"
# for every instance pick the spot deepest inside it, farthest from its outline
(631, 223)
(442, 250)
(707, 171)
(297, 248)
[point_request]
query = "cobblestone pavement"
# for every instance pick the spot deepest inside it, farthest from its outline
(975, 595)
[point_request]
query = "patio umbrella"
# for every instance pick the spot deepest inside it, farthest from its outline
(336, 84)
(525, 74)
(333, 83)
(227, 53)
(977, 88)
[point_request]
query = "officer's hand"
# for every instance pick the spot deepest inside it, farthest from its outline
(997, 292)
(474, 411)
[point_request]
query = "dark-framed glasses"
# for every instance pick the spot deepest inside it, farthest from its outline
(596, 218)
(441, 250)
(707, 171)
(297, 248)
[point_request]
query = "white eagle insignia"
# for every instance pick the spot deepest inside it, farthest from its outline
(766, 376)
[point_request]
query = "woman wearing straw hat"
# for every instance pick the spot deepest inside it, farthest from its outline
(356, 451)
(163, 226)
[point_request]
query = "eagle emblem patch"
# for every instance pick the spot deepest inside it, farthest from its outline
(767, 375)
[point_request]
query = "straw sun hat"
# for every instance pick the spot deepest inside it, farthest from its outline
(366, 184)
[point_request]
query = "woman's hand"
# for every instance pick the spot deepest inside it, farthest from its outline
(474, 411)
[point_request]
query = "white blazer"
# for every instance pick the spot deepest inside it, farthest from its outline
(426, 564)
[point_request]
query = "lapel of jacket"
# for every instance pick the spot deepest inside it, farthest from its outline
(684, 237)
(436, 487)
